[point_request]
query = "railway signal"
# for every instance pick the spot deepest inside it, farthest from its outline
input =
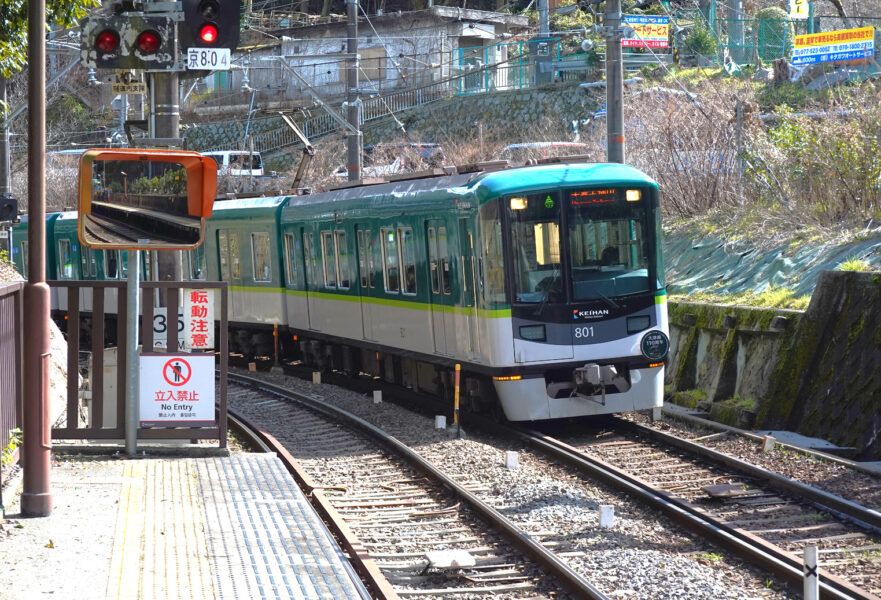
(210, 24)
(147, 42)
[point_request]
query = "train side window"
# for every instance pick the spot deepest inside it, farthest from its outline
(432, 261)
(89, 263)
(223, 249)
(235, 256)
(444, 260)
(24, 258)
(290, 260)
(65, 260)
(260, 257)
(328, 256)
(344, 268)
(111, 264)
(390, 271)
(408, 260)
(492, 264)
(363, 240)
(196, 263)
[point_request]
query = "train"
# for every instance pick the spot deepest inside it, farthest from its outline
(543, 283)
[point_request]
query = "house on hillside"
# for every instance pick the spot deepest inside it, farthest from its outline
(401, 50)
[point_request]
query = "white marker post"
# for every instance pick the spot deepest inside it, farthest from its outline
(812, 578)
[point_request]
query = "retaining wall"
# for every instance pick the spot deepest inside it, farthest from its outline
(817, 372)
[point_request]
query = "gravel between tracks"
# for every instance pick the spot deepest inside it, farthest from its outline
(643, 556)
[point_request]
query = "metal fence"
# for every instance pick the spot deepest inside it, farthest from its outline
(11, 353)
(87, 306)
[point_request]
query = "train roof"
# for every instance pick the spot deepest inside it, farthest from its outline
(481, 186)
(247, 207)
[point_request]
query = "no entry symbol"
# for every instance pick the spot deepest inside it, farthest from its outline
(177, 371)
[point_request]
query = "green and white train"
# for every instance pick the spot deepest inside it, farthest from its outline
(545, 283)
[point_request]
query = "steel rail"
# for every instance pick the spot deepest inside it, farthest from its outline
(358, 555)
(754, 549)
(519, 538)
(866, 517)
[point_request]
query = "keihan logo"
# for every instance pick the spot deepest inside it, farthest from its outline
(590, 314)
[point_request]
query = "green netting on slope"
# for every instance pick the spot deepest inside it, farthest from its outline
(711, 264)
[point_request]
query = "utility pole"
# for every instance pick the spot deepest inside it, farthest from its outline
(614, 83)
(165, 121)
(353, 103)
(735, 30)
(5, 174)
(36, 497)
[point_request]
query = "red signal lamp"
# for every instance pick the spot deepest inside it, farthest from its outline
(148, 42)
(107, 41)
(208, 33)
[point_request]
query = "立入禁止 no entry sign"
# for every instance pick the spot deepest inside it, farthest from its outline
(176, 390)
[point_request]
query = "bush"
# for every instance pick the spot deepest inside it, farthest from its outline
(775, 33)
(701, 40)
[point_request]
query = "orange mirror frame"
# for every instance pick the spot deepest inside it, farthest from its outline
(201, 189)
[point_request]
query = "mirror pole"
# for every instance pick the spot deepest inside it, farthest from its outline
(132, 382)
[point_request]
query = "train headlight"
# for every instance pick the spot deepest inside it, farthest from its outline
(534, 333)
(633, 195)
(636, 324)
(518, 203)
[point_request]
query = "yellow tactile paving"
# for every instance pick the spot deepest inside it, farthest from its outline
(160, 547)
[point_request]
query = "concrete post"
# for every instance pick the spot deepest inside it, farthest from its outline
(614, 84)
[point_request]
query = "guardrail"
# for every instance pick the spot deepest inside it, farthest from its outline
(11, 356)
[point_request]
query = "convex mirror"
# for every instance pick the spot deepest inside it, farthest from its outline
(139, 199)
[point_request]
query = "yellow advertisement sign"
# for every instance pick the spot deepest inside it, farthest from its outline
(834, 46)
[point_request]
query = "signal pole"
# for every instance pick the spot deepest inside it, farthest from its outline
(5, 175)
(353, 103)
(614, 83)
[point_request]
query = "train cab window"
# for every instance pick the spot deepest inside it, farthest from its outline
(390, 271)
(444, 255)
(196, 263)
(408, 260)
(290, 259)
(365, 258)
(535, 241)
(260, 256)
(344, 267)
(328, 255)
(65, 260)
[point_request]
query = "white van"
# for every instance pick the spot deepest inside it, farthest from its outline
(231, 162)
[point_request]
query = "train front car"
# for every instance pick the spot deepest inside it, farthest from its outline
(584, 279)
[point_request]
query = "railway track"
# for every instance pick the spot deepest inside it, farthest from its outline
(658, 474)
(764, 517)
(402, 509)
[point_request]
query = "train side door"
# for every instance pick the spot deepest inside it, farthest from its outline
(309, 275)
(229, 247)
(366, 272)
(439, 276)
(468, 286)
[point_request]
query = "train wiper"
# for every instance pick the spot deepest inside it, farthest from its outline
(609, 301)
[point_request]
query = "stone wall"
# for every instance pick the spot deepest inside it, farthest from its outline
(816, 372)
(449, 119)
(458, 116)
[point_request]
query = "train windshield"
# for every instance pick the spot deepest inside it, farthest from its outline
(608, 248)
(585, 244)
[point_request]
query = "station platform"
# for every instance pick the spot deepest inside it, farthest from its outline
(220, 527)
